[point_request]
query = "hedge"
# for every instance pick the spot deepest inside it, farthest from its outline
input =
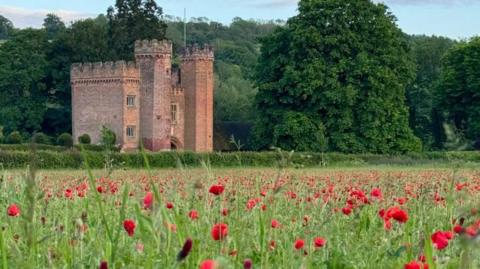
(73, 159)
(28, 147)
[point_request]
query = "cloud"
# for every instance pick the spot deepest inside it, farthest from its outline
(23, 18)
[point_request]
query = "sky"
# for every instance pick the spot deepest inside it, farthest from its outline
(458, 19)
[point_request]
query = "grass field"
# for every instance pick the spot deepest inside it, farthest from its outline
(367, 217)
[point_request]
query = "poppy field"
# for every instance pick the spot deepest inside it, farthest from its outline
(375, 217)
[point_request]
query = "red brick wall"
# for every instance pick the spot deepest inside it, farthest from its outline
(197, 80)
(154, 62)
(98, 98)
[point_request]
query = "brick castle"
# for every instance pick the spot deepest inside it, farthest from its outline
(147, 101)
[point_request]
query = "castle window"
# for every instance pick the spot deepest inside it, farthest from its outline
(130, 131)
(174, 108)
(131, 100)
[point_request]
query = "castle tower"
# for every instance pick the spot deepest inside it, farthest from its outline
(154, 62)
(197, 81)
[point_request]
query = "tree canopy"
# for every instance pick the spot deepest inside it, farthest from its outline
(459, 88)
(344, 66)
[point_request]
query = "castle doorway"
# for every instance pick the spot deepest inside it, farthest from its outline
(175, 144)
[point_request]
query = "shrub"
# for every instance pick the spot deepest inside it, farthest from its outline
(41, 138)
(65, 140)
(84, 139)
(14, 138)
(2, 136)
(108, 137)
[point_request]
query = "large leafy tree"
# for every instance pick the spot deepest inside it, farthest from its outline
(6, 28)
(343, 65)
(23, 81)
(425, 120)
(132, 20)
(459, 88)
(53, 25)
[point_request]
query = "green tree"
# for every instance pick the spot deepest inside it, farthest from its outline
(23, 81)
(132, 20)
(6, 28)
(83, 41)
(53, 25)
(427, 51)
(344, 65)
(458, 92)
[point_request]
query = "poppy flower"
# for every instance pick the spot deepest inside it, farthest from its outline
(219, 231)
(376, 193)
(415, 265)
(319, 242)
(225, 212)
(193, 214)
(148, 200)
(216, 189)
(397, 214)
(247, 264)
(275, 224)
(347, 210)
(458, 229)
(299, 243)
(251, 204)
(13, 210)
(169, 205)
(187, 247)
(208, 264)
(129, 226)
(103, 265)
(440, 239)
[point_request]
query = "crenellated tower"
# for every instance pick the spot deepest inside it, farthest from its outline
(154, 60)
(197, 81)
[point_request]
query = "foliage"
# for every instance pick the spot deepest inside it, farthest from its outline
(23, 81)
(328, 64)
(6, 28)
(2, 135)
(53, 25)
(14, 138)
(16, 156)
(41, 138)
(84, 139)
(459, 88)
(65, 140)
(132, 20)
(425, 120)
(109, 137)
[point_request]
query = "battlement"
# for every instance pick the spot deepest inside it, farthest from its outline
(196, 53)
(176, 90)
(101, 70)
(153, 47)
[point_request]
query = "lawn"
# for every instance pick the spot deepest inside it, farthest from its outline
(368, 217)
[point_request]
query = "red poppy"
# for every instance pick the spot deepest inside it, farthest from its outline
(319, 242)
(193, 214)
(275, 224)
(247, 264)
(208, 264)
(219, 231)
(13, 210)
(148, 200)
(397, 214)
(347, 210)
(100, 189)
(69, 193)
(299, 243)
(376, 193)
(440, 239)
(251, 204)
(416, 265)
(169, 205)
(225, 212)
(129, 226)
(458, 229)
(216, 189)
(103, 265)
